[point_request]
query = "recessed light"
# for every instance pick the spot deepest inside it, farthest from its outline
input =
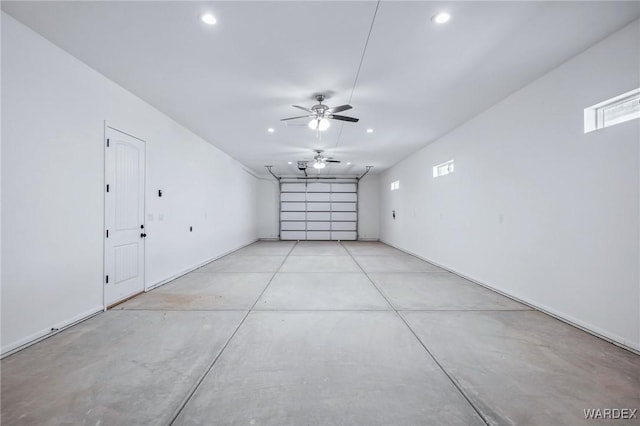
(349, 163)
(208, 19)
(441, 18)
(369, 130)
(289, 162)
(271, 130)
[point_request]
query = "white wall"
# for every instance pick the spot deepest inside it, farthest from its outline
(53, 113)
(536, 208)
(369, 208)
(268, 208)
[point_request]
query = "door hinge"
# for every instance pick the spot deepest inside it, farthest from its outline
(107, 233)
(107, 280)
(107, 187)
(107, 142)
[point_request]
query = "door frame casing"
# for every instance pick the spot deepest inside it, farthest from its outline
(106, 129)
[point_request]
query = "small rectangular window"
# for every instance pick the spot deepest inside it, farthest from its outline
(443, 169)
(395, 185)
(612, 111)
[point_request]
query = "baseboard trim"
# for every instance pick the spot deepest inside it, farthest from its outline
(45, 334)
(574, 322)
(193, 268)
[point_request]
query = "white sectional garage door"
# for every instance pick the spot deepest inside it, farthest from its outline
(318, 211)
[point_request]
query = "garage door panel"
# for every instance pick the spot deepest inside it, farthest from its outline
(343, 235)
(344, 187)
(293, 187)
(293, 235)
(293, 226)
(344, 196)
(343, 226)
(293, 207)
(318, 207)
(343, 207)
(344, 216)
(318, 196)
(319, 216)
(318, 187)
(293, 216)
(292, 196)
(318, 235)
(318, 226)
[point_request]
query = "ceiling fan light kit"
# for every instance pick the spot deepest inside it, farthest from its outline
(321, 124)
(320, 114)
(319, 161)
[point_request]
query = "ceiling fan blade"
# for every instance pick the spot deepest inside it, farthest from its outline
(339, 108)
(293, 118)
(302, 108)
(332, 161)
(343, 118)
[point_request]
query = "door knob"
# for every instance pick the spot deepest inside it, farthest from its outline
(143, 235)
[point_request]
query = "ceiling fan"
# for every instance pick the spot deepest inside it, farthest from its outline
(319, 161)
(321, 113)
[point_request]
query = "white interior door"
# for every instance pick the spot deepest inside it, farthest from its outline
(124, 216)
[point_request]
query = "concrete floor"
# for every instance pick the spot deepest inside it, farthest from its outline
(314, 333)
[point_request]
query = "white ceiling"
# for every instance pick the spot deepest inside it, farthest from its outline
(230, 82)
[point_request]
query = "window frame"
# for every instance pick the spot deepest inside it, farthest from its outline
(444, 169)
(594, 115)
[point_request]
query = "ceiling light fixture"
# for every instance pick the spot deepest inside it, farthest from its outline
(271, 130)
(349, 163)
(369, 130)
(208, 19)
(319, 165)
(441, 18)
(289, 162)
(321, 124)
